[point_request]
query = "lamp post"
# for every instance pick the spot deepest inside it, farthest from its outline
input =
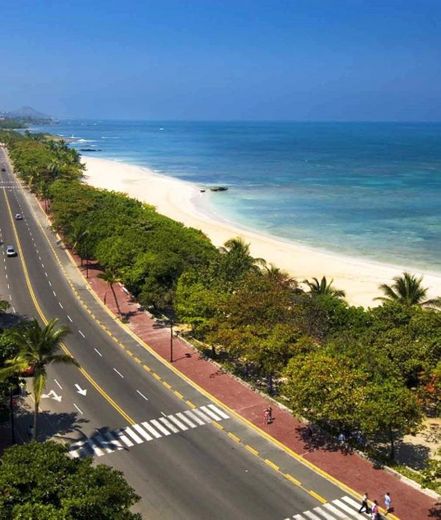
(171, 341)
(11, 411)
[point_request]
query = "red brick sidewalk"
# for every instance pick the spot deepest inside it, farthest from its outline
(352, 470)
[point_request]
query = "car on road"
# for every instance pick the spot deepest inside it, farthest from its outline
(10, 251)
(18, 216)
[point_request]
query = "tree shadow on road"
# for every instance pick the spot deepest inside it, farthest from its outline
(435, 511)
(64, 426)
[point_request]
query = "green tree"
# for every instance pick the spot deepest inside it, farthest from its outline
(38, 347)
(408, 290)
(111, 278)
(325, 389)
(39, 481)
(323, 288)
(388, 410)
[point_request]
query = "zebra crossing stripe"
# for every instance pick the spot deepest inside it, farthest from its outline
(346, 508)
(150, 429)
(178, 422)
(334, 510)
(159, 426)
(201, 414)
(169, 425)
(219, 411)
(108, 441)
(343, 508)
(210, 413)
(142, 432)
(186, 419)
(132, 434)
(103, 443)
(124, 438)
(194, 417)
(351, 501)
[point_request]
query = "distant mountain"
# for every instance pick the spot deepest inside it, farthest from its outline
(28, 114)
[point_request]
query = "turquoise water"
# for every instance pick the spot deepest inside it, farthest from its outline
(365, 189)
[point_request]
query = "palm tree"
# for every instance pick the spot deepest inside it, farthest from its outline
(38, 347)
(408, 290)
(323, 288)
(110, 276)
(237, 259)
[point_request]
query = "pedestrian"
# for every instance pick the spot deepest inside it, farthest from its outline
(374, 511)
(268, 415)
(364, 504)
(388, 503)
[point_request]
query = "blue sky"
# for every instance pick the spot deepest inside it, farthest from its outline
(231, 59)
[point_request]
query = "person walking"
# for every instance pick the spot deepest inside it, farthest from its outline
(387, 503)
(364, 504)
(374, 511)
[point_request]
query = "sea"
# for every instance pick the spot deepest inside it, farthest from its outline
(368, 190)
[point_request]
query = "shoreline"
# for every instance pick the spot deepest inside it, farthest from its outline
(183, 201)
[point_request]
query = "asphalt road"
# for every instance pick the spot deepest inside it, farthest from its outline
(191, 468)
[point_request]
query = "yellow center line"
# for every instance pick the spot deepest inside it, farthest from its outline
(43, 318)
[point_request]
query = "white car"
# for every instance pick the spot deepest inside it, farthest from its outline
(10, 251)
(18, 216)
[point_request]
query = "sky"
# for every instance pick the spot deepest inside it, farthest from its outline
(313, 60)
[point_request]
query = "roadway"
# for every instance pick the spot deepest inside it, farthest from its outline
(176, 447)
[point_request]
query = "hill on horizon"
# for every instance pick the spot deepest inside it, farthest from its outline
(26, 113)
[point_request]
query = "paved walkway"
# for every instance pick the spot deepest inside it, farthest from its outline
(350, 469)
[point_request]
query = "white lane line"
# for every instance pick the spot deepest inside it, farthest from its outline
(310, 515)
(13, 309)
(6, 275)
(55, 294)
(159, 426)
(142, 432)
(346, 509)
(10, 297)
(8, 286)
(60, 304)
(218, 411)
(132, 434)
(98, 352)
(42, 265)
(45, 274)
(69, 318)
(58, 384)
(150, 429)
(119, 373)
(79, 409)
(142, 395)
(81, 333)
(168, 424)
(49, 282)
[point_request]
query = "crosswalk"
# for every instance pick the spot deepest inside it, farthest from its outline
(344, 508)
(107, 442)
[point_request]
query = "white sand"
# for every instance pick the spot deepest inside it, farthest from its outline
(184, 202)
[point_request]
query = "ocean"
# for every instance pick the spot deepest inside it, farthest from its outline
(369, 190)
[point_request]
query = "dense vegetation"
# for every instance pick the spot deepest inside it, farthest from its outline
(371, 371)
(40, 481)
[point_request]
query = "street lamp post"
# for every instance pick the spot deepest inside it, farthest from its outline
(171, 341)
(11, 411)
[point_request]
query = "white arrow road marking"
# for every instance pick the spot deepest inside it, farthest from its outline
(53, 395)
(82, 391)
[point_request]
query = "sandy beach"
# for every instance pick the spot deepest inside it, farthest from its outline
(184, 202)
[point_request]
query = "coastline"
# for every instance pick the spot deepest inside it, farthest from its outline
(183, 201)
